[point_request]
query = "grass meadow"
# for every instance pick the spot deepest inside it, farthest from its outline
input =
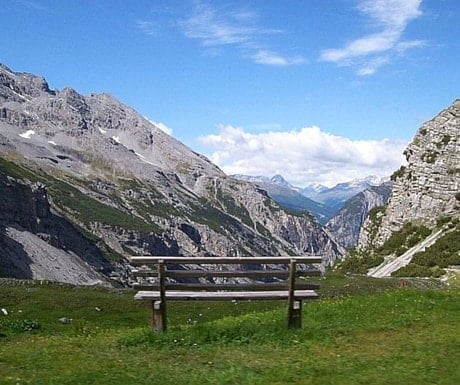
(362, 331)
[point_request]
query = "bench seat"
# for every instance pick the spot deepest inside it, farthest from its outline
(225, 295)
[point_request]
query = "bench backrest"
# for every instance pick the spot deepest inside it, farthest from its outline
(213, 274)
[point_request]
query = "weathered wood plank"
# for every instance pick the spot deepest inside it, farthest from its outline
(227, 274)
(295, 303)
(257, 286)
(225, 295)
(162, 309)
(282, 274)
(141, 260)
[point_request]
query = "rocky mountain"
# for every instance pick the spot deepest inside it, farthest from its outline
(102, 182)
(335, 197)
(287, 196)
(426, 191)
(36, 243)
(347, 222)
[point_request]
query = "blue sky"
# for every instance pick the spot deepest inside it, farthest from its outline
(320, 91)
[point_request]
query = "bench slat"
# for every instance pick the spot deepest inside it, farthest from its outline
(258, 286)
(141, 260)
(225, 274)
(225, 295)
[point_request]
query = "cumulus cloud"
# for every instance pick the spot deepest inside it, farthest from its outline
(304, 156)
(370, 52)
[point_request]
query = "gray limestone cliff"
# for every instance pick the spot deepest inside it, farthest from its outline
(36, 243)
(347, 222)
(428, 187)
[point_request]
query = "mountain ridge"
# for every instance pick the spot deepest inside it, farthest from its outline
(130, 188)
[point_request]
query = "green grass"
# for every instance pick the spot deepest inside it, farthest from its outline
(363, 331)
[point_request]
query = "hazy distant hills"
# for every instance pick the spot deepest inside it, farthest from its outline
(335, 197)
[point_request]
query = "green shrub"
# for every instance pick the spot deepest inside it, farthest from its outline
(443, 220)
(405, 238)
(398, 173)
(358, 262)
(453, 171)
(20, 326)
(430, 156)
(445, 252)
(414, 270)
(445, 139)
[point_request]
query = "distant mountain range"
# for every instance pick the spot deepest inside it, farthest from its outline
(322, 201)
(335, 197)
(288, 196)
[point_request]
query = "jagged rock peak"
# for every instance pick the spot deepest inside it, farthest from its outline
(3, 67)
(428, 187)
(23, 84)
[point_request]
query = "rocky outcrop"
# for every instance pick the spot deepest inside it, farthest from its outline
(347, 222)
(38, 244)
(428, 187)
(131, 188)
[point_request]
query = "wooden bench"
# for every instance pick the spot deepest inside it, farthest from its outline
(164, 279)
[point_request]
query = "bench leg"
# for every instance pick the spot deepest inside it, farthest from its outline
(158, 316)
(295, 314)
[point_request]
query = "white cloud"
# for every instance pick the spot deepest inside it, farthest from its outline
(147, 27)
(373, 65)
(163, 127)
(303, 156)
(369, 52)
(275, 59)
(215, 29)
(233, 27)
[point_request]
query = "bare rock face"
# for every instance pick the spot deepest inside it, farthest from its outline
(131, 188)
(347, 222)
(428, 187)
(38, 244)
